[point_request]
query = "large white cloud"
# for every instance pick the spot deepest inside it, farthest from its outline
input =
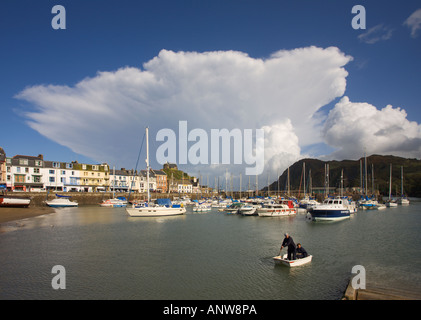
(354, 127)
(104, 117)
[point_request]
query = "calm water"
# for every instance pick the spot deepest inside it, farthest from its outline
(109, 255)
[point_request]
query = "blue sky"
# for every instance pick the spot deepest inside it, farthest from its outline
(109, 35)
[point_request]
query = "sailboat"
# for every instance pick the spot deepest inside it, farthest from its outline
(402, 200)
(114, 202)
(391, 203)
(159, 209)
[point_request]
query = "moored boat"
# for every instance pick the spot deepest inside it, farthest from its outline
(283, 208)
(12, 201)
(114, 203)
(61, 202)
(331, 210)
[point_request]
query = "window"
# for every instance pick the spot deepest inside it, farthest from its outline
(23, 162)
(27, 170)
(52, 179)
(36, 170)
(84, 166)
(18, 169)
(19, 178)
(38, 163)
(51, 171)
(63, 172)
(69, 165)
(56, 165)
(36, 179)
(94, 167)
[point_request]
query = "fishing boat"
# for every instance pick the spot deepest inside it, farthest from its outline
(162, 207)
(61, 202)
(11, 201)
(282, 259)
(283, 208)
(331, 210)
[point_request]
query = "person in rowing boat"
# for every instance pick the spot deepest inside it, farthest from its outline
(288, 242)
(301, 252)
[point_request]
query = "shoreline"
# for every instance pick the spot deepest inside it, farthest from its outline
(12, 214)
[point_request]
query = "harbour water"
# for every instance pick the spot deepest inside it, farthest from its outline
(205, 256)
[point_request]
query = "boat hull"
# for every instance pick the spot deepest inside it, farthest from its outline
(329, 215)
(292, 263)
(276, 212)
(155, 211)
(14, 202)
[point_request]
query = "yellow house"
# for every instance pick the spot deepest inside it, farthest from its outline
(93, 177)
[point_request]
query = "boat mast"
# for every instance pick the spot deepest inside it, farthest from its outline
(390, 183)
(147, 162)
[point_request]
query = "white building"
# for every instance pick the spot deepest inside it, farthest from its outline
(61, 176)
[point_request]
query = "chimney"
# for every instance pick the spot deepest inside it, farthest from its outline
(41, 156)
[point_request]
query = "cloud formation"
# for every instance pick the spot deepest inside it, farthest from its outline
(104, 117)
(375, 34)
(354, 127)
(414, 23)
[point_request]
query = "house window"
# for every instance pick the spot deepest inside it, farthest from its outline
(38, 163)
(36, 170)
(23, 162)
(63, 172)
(18, 169)
(27, 170)
(51, 171)
(69, 165)
(52, 179)
(94, 167)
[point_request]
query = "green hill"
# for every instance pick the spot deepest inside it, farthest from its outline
(351, 171)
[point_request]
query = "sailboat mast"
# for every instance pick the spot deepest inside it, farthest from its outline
(390, 182)
(147, 163)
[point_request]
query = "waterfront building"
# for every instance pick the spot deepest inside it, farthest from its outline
(161, 180)
(23, 173)
(121, 180)
(93, 177)
(61, 176)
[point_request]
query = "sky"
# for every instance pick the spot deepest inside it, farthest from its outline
(295, 70)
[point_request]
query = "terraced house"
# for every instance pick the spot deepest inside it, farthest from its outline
(23, 173)
(61, 176)
(93, 177)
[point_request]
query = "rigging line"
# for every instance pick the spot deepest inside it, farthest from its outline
(137, 162)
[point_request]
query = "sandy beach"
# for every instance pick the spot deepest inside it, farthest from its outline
(12, 214)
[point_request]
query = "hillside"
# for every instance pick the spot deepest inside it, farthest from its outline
(351, 171)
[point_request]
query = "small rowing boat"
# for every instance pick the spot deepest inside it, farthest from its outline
(292, 263)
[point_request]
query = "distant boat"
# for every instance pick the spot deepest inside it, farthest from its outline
(12, 201)
(283, 208)
(114, 203)
(202, 207)
(403, 199)
(163, 207)
(61, 202)
(390, 202)
(331, 210)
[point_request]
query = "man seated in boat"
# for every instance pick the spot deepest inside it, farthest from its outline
(301, 252)
(288, 242)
